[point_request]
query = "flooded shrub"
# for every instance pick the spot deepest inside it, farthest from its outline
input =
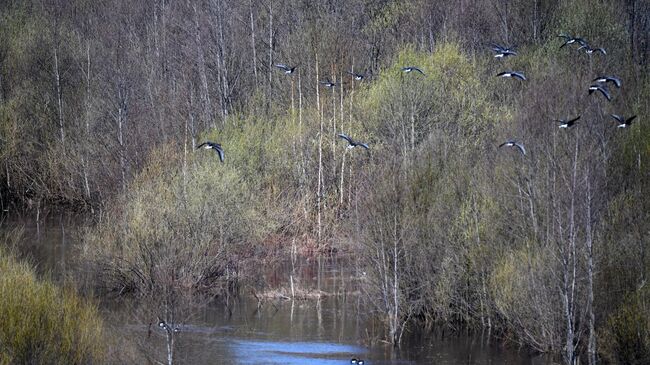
(185, 232)
(42, 323)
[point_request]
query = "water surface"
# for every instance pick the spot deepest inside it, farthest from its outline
(327, 331)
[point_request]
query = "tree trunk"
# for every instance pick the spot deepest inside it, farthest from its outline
(253, 44)
(271, 52)
(59, 98)
(591, 346)
(121, 122)
(320, 156)
(205, 91)
(87, 122)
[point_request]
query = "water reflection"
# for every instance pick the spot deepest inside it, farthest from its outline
(327, 331)
(261, 352)
(46, 241)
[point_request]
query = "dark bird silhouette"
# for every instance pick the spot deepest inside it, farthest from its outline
(502, 52)
(358, 77)
(408, 69)
(602, 89)
(622, 122)
(352, 143)
(329, 84)
(512, 143)
(568, 40)
(567, 123)
(515, 74)
(215, 146)
(605, 79)
(287, 70)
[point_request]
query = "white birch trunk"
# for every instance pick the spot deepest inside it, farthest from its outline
(59, 98)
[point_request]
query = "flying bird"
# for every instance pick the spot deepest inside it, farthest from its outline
(215, 146)
(622, 122)
(352, 143)
(604, 79)
(287, 70)
(602, 89)
(568, 40)
(567, 123)
(516, 74)
(408, 69)
(358, 77)
(329, 84)
(502, 52)
(512, 143)
(590, 50)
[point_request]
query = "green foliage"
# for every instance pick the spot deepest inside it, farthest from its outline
(44, 324)
(626, 335)
(593, 20)
(178, 229)
(407, 107)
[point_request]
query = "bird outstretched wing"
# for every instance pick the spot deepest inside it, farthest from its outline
(219, 151)
(418, 70)
(342, 135)
(573, 120)
(521, 148)
(617, 117)
(605, 93)
(519, 75)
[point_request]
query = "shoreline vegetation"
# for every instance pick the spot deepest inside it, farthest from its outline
(44, 323)
(102, 107)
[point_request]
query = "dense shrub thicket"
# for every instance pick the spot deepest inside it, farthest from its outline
(547, 248)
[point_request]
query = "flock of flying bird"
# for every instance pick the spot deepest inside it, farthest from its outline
(288, 70)
(599, 84)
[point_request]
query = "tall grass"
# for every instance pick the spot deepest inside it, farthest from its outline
(41, 323)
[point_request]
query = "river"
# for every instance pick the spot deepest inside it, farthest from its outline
(328, 331)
